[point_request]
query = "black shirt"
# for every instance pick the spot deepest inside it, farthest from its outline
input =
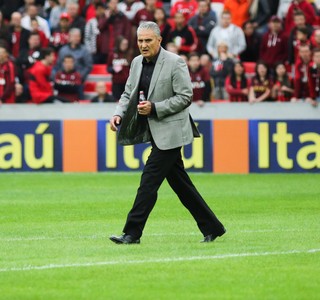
(146, 74)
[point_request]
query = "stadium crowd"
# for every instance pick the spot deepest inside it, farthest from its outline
(236, 50)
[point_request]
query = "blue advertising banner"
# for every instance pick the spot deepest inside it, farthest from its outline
(112, 156)
(30, 146)
(284, 146)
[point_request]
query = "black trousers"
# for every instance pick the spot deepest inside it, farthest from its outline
(168, 164)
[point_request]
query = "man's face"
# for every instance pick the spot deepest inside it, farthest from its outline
(148, 43)
(225, 20)
(316, 58)
(68, 64)
(305, 53)
(299, 21)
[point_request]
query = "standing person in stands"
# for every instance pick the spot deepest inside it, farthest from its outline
(18, 36)
(165, 28)
(76, 21)
(237, 84)
(187, 7)
(282, 89)
(144, 14)
(130, 7)
(302, 90)
(239, 10)
(40, 85)
(114, 23)
(253, 41)
(119, 66)
(299, 5)
(7, 78)
(228, 33)
(183, 35)
(60, 36)
(56, 13)
(202, 23)
(274, 44)
(200, 79)
(314, 77)
(261, 84)
(166, 123)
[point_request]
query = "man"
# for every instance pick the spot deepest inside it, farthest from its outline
(7, 78)
(229, 33)
(165, 81)
(239, 10)
(76, 21)
(274, 44)
(202, 23)
(83, 59)
(40, 86)
(314, 77)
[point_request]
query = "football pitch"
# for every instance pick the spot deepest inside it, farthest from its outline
(55, 228)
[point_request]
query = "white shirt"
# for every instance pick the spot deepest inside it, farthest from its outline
(43, 24)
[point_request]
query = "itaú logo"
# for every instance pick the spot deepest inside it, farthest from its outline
(289, 149)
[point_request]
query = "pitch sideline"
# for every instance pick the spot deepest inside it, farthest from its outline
(157, 260)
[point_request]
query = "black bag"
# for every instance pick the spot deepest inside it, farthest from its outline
(134, 128)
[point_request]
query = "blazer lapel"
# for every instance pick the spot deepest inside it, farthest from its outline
(156, 72)
(137, 71)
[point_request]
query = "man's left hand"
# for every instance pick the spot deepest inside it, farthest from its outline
(144, 108)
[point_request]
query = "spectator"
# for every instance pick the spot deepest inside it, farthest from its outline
(314, 77)
(228, 33)
(239, 10)
(68, 81)
(36, 28)
(102, 94)
(172, 47)
(7, 78)
(41, 89)
(221, 68)
(282, 89)
(32, 13)
(315, 39)
(18, 36)
(202, 23)
(48, 9)
(206, 62)
(27, 58)
(299, 22)
(144, 14)
(56, 13)
(76, 21)
(27, 3)
(187, 7)
(266, 9)
(92, 32)
(114, 23)
(119, 65)
(299, 5)
(89, 11)
(4, 32)
(83, 59)
(200, 79)
(261, 84)
(274, 44)
(60, 36)
(253, 41)
(301, 39)
(283, 8)
(302, 65)
(237, 85)
(165, 28)
(130, 7)
(183, 35)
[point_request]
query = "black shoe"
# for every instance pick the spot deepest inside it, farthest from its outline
(124, 239)
(211, 237)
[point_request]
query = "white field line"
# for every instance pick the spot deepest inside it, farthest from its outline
(100, 236)
(156, 260)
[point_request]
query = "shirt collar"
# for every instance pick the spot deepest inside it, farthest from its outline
(153, 60)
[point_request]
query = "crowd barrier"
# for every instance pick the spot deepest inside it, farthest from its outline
(235, 138)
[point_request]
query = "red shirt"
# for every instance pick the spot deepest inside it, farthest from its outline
(199, 79)
(120, 66)
(314, 80)
(301, 78)
(68, 84)
(142, 15)
(16, 35)
(188, 8)
(39, 82)
(7, 82)
(259, 87)
(235, 92)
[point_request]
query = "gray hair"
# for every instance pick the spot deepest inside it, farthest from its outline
(150, 26)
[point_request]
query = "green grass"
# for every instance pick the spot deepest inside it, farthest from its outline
(60, 220)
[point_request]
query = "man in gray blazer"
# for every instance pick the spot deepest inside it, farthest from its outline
(164, 120)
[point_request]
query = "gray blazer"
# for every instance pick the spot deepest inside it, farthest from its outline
(171, 92)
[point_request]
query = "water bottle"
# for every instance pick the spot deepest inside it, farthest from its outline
(142, 96)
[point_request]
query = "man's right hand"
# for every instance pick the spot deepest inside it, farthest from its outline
(115, 122)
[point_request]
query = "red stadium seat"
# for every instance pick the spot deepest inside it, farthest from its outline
(99, 69)
(249, 68)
